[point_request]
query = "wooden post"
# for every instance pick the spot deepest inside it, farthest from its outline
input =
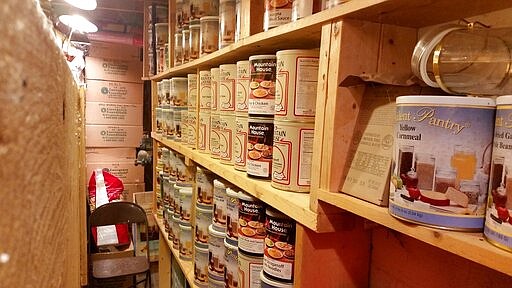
(40, 138)
(164, 261)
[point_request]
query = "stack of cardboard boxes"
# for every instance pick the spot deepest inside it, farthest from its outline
(113, 113)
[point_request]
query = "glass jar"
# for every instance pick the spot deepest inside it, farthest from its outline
(194, 40)
(202, 8)
(445, 178)
(178, 49)
(209, 34)
(471, 189)
(179, 14)
(185, 11)
(186, 44)
(227, 20)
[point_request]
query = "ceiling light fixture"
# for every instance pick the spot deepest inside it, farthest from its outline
(83, 4)
(78, 23)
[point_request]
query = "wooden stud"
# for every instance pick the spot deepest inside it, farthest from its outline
(164, 261)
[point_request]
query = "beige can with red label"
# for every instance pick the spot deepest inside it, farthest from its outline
(227, 77)
(214, 135)
(192, 92)
(205, 90)
(203, 137)
(296, 84)
(215, 88)
(292, 155)
(279, 254)
(192, 129)
(226, 139)
(240, 144)
(243, 79)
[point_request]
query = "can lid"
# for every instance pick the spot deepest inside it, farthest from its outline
(194, 22)
(299, 122)
(205, 72)
(185, 227)
(203, 210)
(215, 70)
(179, 79)
(302, 52)
(161, 24)
(439, 99)
(274, 283)
(209, 18)
(504, 100)
(231, 193)
(272, 212)
(227, 66)
(246, 197)
(220, 184)
(243, 62)
(185, 190)
(176, 217)
(230, 246)
(191, 75)
(202, 250)
(216, 233)
(165, 81)
(257, 57)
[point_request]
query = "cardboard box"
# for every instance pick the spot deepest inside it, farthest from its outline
(115, 51)
(113, 69)
(114, 92)
(126, 171)
(113, 113)
(131, 189)
(95, 155)
(112, 136)
(145, 200)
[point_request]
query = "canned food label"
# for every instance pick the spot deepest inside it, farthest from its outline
(440, 176)
(262, 87)
(192, 129)
(176, 230)
(292, 155)
(232, 219)
(277, 12)
(296, 90)
(498, 221)
(203, 220)
(279, 248)
(242, 86)
(204, 133)
(227, 132)
(240, 144)
(204, 183)
(215, 135)
(185, 244)
(227, 90)
(259, 149)
(216, 262)
(192, 91)
(185, 207)
(205, 92)
(251, 229)
(219, 208)
(231, 271)
(215, 91)
(201, 268)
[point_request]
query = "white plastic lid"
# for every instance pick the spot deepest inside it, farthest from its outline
(270, 211)
(231, 193)
(227, 66)
(504, 100)
(161, 24)
(257, 57)
(202, 72)
(176, 218)
(214, 70)
(191, 75)
(220, 184)
(185, 227)
(439, 99)
(203, 210)
(243, 62)
(215, 233)
(179, 79)
(209, 18)
(202, 250)
(273, 283)
(229, 246)
(246, 197)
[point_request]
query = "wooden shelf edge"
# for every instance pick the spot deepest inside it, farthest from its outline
(186, 266)
(295, 205)
(471, 246)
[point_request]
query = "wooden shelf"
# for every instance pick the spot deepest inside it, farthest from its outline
(306, 32)
(471, 246)
(186, 266)
(295, 205)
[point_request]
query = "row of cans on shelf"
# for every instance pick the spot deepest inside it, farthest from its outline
(235, 235)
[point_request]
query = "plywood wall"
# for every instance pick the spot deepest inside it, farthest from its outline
(39, 155)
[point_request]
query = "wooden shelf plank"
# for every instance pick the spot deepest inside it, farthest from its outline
(186, 266)
(295, 205)
(471, 246)
(306, 32)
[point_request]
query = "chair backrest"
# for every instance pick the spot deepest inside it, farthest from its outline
(117, 213)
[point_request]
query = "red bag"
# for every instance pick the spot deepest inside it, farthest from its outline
(114, 188)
